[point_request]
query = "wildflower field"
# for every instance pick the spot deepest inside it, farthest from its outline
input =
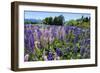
(50, 41)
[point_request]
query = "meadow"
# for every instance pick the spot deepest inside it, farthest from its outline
(48, 41)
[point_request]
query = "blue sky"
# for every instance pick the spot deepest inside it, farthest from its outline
(41, 15)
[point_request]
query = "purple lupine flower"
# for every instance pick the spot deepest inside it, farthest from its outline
(60, 33)
(82, 50)
(75, 49)
(29, 40)
(53, 31)
(76, 39)
(87, 41)
(60, 37)
(72, 27)
(38, 33)
(46, 33)
(66, 28)
(58, 51)
(50, 56)
(77, 31)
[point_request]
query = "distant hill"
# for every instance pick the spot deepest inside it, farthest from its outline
(32, 21)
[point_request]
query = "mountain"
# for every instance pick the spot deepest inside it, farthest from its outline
(33, 20)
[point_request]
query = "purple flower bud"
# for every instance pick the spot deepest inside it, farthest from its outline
(50, 56)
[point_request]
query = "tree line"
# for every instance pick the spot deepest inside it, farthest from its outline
(60, 20)
(57, 20)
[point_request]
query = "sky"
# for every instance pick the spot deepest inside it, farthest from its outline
(41, 15)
